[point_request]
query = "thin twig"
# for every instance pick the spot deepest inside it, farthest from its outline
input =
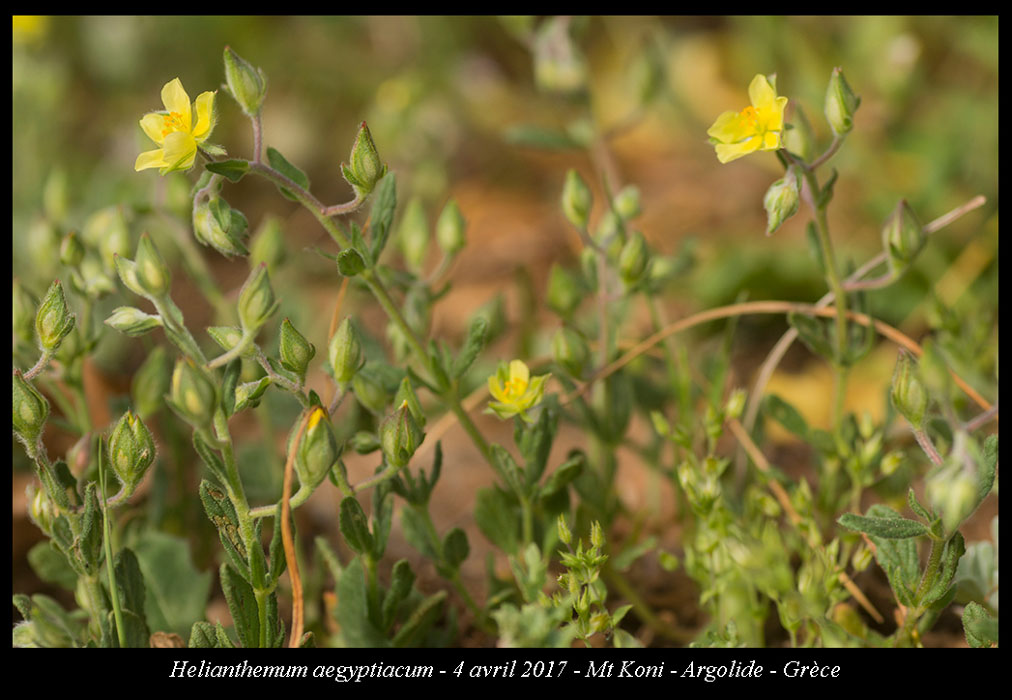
(288, 541)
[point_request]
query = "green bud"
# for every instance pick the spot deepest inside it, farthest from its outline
(588, 265)
(227, 337)
(248, 394)
(952, 493)
(208, 230)
(903, 237)
(53, 321)
(406, 393)
(596, 535)
(570, 351)
(91, 278)
(576, 200)
(369, 390)
(71, 250)
(296, 352)
(256, 300)
(558, 64)
(150, 383)
(627, 203)
(735, 405)
(364, 442)
(268, 245)
(41, 509)
(798, 137)
(152, 272)
(192, 395)
(133, 322)
(891, 462)
(366, 168)
(25, 306)
(107, 230)
(29, 413)
(131, 450)
(400, 436)
(841, 103)
(862, 558)
(934, 371)
(564, 292)
(450, 229)
(413, 235)
(782, 200)
(632, 261)
(565, 536)
(318, 450)
(345, 352)
(908, 394)
(247, 84)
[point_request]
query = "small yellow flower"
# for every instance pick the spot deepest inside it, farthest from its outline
(514, 390)
(178, 130)
(756, 128)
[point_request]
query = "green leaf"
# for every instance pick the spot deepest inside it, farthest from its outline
(228, 384)
(421, 619)
(210, 458)
(204, 635)
(508, 467)
(277, 548)
(954, 550)
(242, 605)
(177, 592)
(626, 557)
(382, 214)
(401, 580)
(135, 630)
(987, 468)
(916, 506)
(977, 575)
(813, 332)
(566, 472)
(826, 193)
(382, 517)
(888, 528)
(233, 169)
(357, 629)
(88, 544)
(476, 337)
(416, 532)
(980, 628)
(279, 163)
(898, 558)
(221, 513)
(130, 582)
(535, 136)
(497, 518)
(455, 548)
(354, 526)
(786, 415)
(50, 565)
(350, 262)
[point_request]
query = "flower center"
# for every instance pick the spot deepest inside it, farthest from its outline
(173, 121)
(750, 115)
(515, 388)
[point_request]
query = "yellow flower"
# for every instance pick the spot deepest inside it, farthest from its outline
(514, 390)
(178, 130)
(756, 128)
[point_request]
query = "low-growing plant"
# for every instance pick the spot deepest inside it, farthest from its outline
(767, 548)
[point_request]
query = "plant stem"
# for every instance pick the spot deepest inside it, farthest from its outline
(107, 537)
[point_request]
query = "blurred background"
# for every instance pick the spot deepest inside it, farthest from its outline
(470, 107)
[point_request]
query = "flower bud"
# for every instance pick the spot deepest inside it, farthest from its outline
(41, 509)
(406, 392)
(268, 245)
(256, 300)
(150, 383)
(782, 200)
(24, 310)
(345, 352)
(227, 337)
(365, 168)
(596, 535)
(861, 558)
(192, 395)
(71, 250)
(902, 236)
(295, 350)
(413, 234)
(209, 231)
(627, 203)
(841, 103)
(400, 436)
(908, 394)
(565, 536)
(735, 405)
(952, 493)
(891, 462)
(798, 137)
(632, 261)
(317, 451)
(564, 293)
(248, 394)
(576, 200)
(152, 272)
(53, 321)
(569, 350)
(558, 64)
(30, 411)
(450, 229)
(108, 231)
(364, 442)
(369, 390)
(131, 450)
(247, 84)
(133, 322)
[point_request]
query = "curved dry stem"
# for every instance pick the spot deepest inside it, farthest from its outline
(288, 541)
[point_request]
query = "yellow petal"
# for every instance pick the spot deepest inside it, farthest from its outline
(771, 141)
(774, 119)
(761, 93)
(205, 116)
(175, 99)
(726, 152)
(729, 128)
(518, 370)
(495, 388)
(153, 123)
(150, 159)
(180, 151)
